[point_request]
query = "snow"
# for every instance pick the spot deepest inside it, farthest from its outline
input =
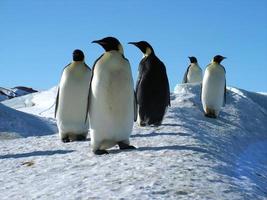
(3, 97)
(188, 157)
(39, 103)
(14, 123)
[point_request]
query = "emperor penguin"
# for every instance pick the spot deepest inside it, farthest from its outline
(112, 104)
(72, 100)
(193, 73)
(213, 94)
(152, 87)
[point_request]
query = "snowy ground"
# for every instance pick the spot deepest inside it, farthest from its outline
(188, 157)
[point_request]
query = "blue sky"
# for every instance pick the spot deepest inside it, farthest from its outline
(37, 37)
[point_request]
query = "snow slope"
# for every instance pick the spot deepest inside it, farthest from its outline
(14, 124)
(39, 103)
(188, 157)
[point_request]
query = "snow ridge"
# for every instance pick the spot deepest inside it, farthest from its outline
(188, 157)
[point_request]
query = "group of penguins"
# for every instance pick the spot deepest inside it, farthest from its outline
(104, 99)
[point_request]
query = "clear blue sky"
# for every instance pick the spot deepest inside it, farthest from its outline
(37, 37)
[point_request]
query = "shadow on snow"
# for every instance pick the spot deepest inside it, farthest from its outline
(35, 153)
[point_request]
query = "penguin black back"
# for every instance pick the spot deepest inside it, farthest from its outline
(152, 87)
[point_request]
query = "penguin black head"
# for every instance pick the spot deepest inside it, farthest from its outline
(218, 59)
(78, 55)
(192, 59)
(109, 44)
(144, 46)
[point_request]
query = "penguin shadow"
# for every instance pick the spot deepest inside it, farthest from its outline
(169, 124)
(154, 134)
(173, 148)
(117, 150)
(86, 140)
(35, 153)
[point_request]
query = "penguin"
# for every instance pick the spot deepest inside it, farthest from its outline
(112, 107)
(193, 73)
(152, 87)
(72, 100)
(213, 93)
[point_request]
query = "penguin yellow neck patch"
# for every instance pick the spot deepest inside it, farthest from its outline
(121, 49)
(148, 52)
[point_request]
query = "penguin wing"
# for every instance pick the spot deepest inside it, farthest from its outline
(140, 75)
(87, 66)
(89, 89)
(224, 99)
(135, 107)
(135, 101)
(57, 99)
(185, 75)
(200, 92)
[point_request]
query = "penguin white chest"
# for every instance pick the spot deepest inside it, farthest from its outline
(111, 101)
(194, 74)
(213, 87)
(73, 95)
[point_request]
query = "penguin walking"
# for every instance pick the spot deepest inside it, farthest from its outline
(193, 73)
(213, 94)
(112, 99)
(152, 87)
(72, 100)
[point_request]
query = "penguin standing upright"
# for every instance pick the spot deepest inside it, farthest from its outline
(193, 73)
(152, 87)
(72, 99)
(112, 100)
(213, 94)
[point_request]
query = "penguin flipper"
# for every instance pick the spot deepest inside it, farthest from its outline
(168, 91)
(89, 89)
(200, 92)
(135, 107)
(57, 99)
(185, 75)
(139, 78)
(87, 66)
(224, 98)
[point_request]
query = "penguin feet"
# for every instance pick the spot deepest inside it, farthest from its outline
(142, 124)
(100, 152)
(211, 115)
(65, 139)
(80, 137)
(124, 146)
(155, 124)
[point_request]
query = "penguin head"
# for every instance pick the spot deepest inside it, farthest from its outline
(218, 59)
(109, 44)
(144, 46)
(78, 55)
(192, 59)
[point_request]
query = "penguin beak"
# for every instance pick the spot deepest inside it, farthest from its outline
(134, 43)
(96, 41)
(224, 57)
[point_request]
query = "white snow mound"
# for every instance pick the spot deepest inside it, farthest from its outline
(188, 157)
